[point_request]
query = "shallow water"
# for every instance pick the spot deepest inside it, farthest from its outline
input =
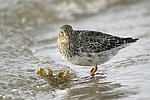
(28, 33)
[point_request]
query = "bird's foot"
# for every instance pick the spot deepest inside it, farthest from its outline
(93, 70)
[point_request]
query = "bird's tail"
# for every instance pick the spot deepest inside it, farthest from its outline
(130, 40)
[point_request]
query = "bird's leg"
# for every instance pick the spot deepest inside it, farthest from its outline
(93, 70)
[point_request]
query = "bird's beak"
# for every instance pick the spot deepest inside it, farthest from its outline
(67, 37)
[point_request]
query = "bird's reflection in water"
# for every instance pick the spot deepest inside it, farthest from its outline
(97, 87)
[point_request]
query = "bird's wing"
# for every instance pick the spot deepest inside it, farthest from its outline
(92, 41)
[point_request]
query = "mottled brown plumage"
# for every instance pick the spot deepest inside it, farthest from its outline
(89, 48)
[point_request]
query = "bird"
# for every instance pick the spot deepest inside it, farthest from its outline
(89, 48)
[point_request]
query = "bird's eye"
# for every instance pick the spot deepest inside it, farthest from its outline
(61, 33)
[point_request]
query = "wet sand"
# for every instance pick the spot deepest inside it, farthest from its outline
(125, 77)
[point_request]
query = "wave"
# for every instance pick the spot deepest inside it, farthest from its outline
(23, 13)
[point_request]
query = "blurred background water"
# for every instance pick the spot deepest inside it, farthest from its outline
(28, 34)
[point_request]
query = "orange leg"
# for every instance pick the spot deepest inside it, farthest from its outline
(93, 70)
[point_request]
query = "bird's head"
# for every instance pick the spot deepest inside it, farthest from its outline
(65, 32)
